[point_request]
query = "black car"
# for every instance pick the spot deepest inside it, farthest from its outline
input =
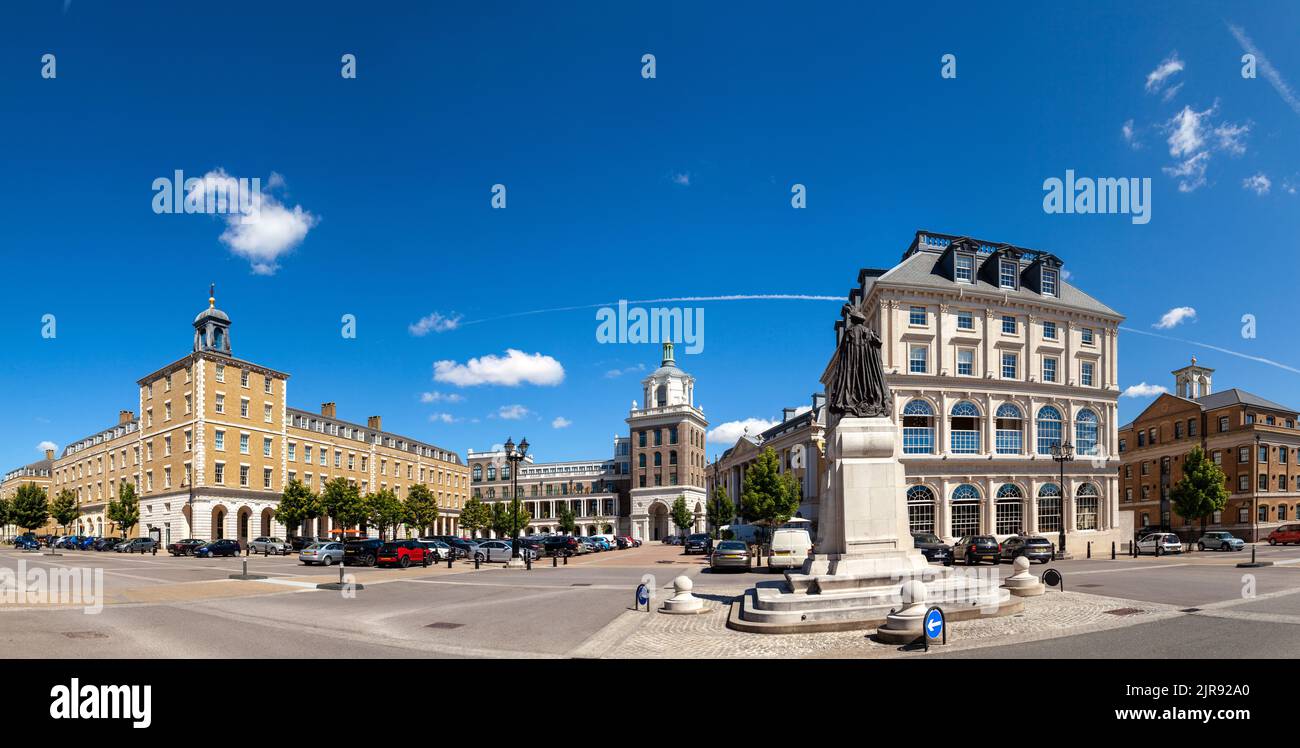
(932, 547)
(106, 544)
(699, 542)
(460, 546)
(1031, 547)
(298, 543)
(223, 547)
(976, 548)
(363, 552)
(560, 545)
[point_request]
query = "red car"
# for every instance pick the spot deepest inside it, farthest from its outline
(1285, 535)
(403, 553)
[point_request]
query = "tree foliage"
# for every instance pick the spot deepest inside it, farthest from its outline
(769, 495)
(297, 504)
(29, 508)
(1202, 491)
(682, 515)
(342, 502)
(565, 519)
(475, 516)
(124, 511)
(720, 510)
(421, 508)
(384, 510)
(504, 522)
(65, 509)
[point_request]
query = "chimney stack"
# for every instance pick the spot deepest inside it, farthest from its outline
(49, 454)
(327, 410)
(125, 416)
(374, 422)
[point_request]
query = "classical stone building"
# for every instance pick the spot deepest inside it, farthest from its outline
(36, 473)
(216, 442)
(596, 491)
(1254, 441)
(993, 358)
(798, 440)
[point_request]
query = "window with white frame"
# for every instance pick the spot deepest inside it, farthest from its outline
(1049, 283)
(1049, 429)
(965, 321)
(1049, 508)
(916, 316)
(1049, 369)
(1008, 272)
(1009, 324)
(1087, 336)
(920, 509)
(965, 510)
(918, 428)
(965, 362)
(965, 431)
(1049, 330)
(918, 359)
(1009, 510)
(1010, 430)
(965, 268)
(1009, 361)
(1085, 507)
(1085, 432)
(1085, 373)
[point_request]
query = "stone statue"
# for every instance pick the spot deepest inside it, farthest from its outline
(855, 377)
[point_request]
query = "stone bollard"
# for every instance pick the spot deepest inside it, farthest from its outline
(904, 626)
(1022, 583)
(683, 603)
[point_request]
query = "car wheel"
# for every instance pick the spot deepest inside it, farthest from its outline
(405, 562)
(970, 560)
(369, 560)
(1201, 546)
(478, 557)
(1272, 541)
(327, 560)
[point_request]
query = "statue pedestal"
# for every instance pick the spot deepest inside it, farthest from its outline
(865, 555)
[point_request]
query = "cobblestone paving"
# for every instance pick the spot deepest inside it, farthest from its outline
(1051, 615)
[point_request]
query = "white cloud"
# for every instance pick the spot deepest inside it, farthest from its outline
(435, 322)
(1171, 92)
(1186, 131)
(1156, 78)
(1130, 135)
(727, 433)
(1144, 390)
(1190, 173)
(443, 418)
(682, 178)
(1231, 137)
(515, 368)
(440, 397)
(46, 445)
(268, 231)
(1193, 136)
(512, 412)
(613, 373)
(1259, 184)
(1288, 186)
(1175, 317)
(561, 422)
(1266, 68)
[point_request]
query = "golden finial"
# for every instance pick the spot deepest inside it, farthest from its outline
(212, 295)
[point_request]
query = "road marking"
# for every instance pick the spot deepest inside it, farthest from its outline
(1128, 568)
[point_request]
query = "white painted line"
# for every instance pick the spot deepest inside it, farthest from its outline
(1152, 567)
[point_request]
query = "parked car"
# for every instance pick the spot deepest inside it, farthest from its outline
(223, 547)
(185, 547)
(87, 543)
(1032, 547)
(731, 554)
(26, 543)
(631, 541)
(461, 546)
(560, 545)
(600, 542)
(499, 550)
(1223, 541)
(363, 552)
(1146, 530)
(322, 553)
(64, 541)
(976, 548)
(699, 542)
(788, 549)
(437, 549)
(107, 544)
(932, 547)
(1163, 542)
(271, 546)
(403, 553)
(136, 545)
(299, 542)
(670, 540)
(1286, 534)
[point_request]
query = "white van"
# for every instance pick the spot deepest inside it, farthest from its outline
(789, 548)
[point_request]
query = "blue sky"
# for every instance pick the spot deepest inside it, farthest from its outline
(617, 187)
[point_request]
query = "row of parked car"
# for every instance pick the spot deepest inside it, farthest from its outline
(975, 549)
(84, 543)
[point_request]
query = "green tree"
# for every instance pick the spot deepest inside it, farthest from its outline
(565, 519)
(1202, 491)
(504, 522)
(682, 515)
(124, 511)
(384, 510)
(342, 502)
(29, 508)
(65, 509)
(720, 510)
(421, 509)
(5, 521)
(768, 495)
(475, 516)
(297, 505)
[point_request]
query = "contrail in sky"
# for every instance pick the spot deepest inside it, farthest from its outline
(1247, 356)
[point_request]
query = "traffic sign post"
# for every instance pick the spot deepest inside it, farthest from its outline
(1053, 578)
(643, 597)
(934, 626)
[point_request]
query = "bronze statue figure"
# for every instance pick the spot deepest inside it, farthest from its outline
(855, 377)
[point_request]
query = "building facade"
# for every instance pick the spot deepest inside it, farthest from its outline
(216, 443)
(36, 473)
(1255, 442)
(992, 359)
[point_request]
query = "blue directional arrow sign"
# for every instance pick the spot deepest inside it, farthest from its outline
(643, 595)
(934, 623)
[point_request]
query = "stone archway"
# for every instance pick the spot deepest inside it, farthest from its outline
(267, 516)
(219, 522)
(658, 520)
(244, 520)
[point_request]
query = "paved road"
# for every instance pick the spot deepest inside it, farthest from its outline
(157, 606)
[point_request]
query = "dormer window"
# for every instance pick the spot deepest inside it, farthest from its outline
(965, 268)
(1007, 273)
(1049, 283)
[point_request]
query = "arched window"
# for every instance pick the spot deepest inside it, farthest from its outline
(672, 457)
(661, 395)
(505, 472)
(1085, 507)
(478, 472)
(1010, 430)
(1009, 510)
(920, 509)
(918, 428)
(965, 510)
(1049, 508)
(640, 459)
(965, 439)
(1085, 432)
(1049, 429)
(492, 472)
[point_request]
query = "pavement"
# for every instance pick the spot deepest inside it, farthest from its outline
(1193, 605)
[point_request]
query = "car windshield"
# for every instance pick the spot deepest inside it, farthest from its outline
(925, 537)
(316, 547)
(731, 545)
(388, 547)
(1038, 541)
(699, 536)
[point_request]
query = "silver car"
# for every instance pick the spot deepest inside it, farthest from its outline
(731, 554)
(1165, 542)
(1220, 541)
(499, 550)
(321, 553)
(271, 546)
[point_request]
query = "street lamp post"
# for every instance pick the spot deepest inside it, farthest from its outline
(1062, 452)
(1254, 494)
(515, 456)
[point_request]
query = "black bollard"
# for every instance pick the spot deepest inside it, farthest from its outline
(1089, 549)
(528, 562)
(1112, 550)
(566, 559)
(1252, 554)
(555, 561)
(450, 556)
(475, 561)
